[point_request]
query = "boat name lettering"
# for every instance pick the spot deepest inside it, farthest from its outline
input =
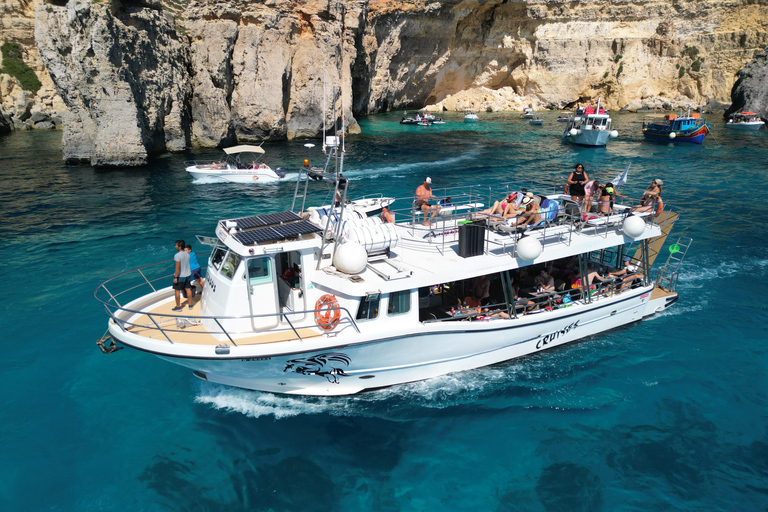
(257, 359)
(545, 340)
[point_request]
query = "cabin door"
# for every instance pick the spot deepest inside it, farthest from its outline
(262, 292)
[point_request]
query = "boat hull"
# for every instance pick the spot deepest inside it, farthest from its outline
(234, 175)
(590, 137)
(320, 367)
(662, 134)
(745, 127)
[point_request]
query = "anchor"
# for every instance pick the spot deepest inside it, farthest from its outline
(105, 346)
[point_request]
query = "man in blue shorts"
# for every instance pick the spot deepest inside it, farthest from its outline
(194, 267)
(181, 275)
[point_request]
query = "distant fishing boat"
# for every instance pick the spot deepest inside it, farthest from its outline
(527, 113)
(745, 121)
(470, 116)
(684, 128)
(536, 120)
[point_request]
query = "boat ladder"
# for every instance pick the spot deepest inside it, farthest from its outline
(668, 274)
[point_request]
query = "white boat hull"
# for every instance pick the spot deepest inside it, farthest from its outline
(591, 137)
(747, 126)
(316, 366)
(233, 175)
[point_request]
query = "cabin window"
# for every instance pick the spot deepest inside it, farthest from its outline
(369, 307)
(399, 302)
(230, 265)
(217, 256)
(259, 271)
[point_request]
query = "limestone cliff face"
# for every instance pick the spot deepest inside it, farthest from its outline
(750, 92)
(17, 25)
(122, 71)
(503, 54)
(229, 71)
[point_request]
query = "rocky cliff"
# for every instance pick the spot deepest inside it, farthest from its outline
(750, 92)
(136, 80)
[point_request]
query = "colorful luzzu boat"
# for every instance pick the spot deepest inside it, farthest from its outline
(684, 128)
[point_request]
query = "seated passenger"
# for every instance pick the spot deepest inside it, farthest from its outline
(531, 217)
(627, 274)
(654, 204)
(545, 282)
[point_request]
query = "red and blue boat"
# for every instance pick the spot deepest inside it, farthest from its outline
(684, 128)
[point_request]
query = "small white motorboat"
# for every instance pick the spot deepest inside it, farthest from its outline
(470, 116)
(240, 164)
(536, 120)
(745, 121)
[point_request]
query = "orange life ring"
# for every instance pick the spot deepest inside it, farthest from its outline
(328, 313)
(255, 177)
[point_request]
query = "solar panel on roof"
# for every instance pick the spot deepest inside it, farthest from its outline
(269, 219)
(269, 234)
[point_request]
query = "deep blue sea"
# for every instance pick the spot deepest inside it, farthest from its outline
(670, 414)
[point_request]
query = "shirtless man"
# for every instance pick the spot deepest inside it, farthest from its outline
(423, 195)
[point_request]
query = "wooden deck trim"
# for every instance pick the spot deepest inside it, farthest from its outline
(197, 334)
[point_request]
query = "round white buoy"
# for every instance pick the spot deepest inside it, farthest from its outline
(614, 134)
(573, 131)
(528, 248)
(672, 135)
(633, 226)
(350, 258)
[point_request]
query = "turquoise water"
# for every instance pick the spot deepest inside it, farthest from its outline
(668, 414)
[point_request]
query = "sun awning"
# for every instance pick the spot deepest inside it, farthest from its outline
(243, 149)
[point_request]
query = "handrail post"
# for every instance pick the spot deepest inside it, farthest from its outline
(145, 278)
(224, 331)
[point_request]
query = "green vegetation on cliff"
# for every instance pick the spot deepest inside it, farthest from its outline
(13, 65)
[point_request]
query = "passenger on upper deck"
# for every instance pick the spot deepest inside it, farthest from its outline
(423, 196)
(576, 181)
(531, 217)
(590, 188)
(653, 190)
(606, 196)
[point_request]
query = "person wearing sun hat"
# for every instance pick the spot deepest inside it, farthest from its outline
(652, 193)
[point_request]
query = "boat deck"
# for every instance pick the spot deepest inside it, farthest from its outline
(194, 332)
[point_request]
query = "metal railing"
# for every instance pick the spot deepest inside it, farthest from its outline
(143, 282)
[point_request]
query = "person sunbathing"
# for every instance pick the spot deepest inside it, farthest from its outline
(531, 217)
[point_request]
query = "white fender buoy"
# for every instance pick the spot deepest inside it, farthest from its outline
(633, 226)
(578, 132)
(614, 134)
(672, 135)
(528, 248)
(573, 131)
(350, 258)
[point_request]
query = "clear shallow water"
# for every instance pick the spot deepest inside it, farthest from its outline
(668, 414)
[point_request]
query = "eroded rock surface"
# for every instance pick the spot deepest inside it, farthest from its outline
(224, 71)
(123, 73)
(750, 92)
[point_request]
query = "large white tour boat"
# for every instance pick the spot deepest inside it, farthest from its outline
(591, 128)
(329, 301)
(240, 164)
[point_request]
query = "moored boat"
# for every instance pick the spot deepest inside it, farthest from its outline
(536, 120)
(593, 127)
(333, 302)
(527, 113)
(240, 164)
(470, 116)
(688, 127)
(745, 121)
